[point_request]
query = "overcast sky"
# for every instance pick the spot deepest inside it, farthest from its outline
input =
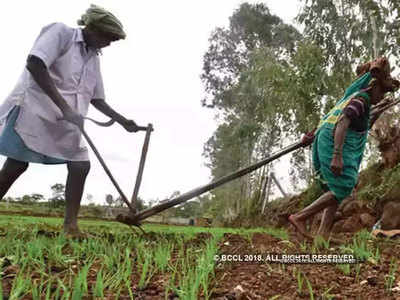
(152, 77)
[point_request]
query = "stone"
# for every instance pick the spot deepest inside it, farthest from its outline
(351, 208)
(344, 202)
(338, 216)
(372, 280)
(391, 216)
(367, 220)
(352, 224)
(338, 226)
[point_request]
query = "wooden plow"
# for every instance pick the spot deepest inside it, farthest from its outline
(135, 217)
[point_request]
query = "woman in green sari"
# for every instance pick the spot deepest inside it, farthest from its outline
(340, 141)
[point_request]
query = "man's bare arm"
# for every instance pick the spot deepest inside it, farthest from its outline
(41, 75)
(102, 106)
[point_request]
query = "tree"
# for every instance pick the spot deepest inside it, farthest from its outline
(89, 198)
(140, 205)
(386, 134)
(118, 202)
(30, 199)
(240, 60)
(351, 32)
(109, 199)
(189, 209)
(269, 83)
(58, 195)
(251, 26)
(37, 197)
(8, 199)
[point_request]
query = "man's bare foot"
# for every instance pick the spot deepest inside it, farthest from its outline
(73, 232)
(299, 226)
(77, 235)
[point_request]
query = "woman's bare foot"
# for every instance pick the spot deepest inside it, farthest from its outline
(299, 226)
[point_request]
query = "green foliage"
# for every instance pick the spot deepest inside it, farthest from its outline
(251, 26)
(240, 67)
(30, 199)
(379, 185)
(189, 210)
(58, 197)
(351, 31)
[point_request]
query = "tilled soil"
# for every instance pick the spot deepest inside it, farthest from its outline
(266, 280)
(260, 280)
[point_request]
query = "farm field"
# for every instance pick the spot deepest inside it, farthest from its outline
(183, 262)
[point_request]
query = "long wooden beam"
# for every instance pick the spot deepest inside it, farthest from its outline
(168, 203)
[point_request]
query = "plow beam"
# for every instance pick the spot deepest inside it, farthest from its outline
(135, 219)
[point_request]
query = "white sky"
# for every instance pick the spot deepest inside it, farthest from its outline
(152, 77)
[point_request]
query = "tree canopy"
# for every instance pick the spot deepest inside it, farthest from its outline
(269, 83)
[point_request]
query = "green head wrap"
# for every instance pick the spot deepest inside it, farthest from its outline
(103, 20)
(359, 84)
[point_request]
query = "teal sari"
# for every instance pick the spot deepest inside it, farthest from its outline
(353, 148)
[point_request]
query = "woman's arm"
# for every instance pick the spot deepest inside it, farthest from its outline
(339, 136)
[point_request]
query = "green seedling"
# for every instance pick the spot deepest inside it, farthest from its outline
(357, 268)
(48, 291)
(56, 294)
(300, 280)
(1, 287)
(99, 287)
(345, 268)
(303, 246)
(310, 290)
(20, 288)
(376, 257)
(35, 292)
(390, 278)
(360, 249)
(162, 255)
(326, 294)
(145, 270)
(320, 243)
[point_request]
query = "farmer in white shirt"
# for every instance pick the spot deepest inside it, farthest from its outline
(42, 117)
